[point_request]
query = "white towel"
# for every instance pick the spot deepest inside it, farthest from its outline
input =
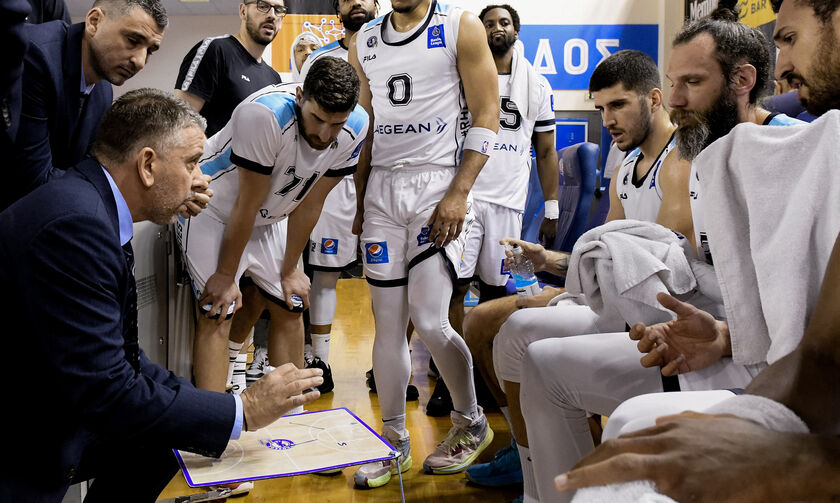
(523, 79)
(773, 215)
(622, 265)
(638, 491)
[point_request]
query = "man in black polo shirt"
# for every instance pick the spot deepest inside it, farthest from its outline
(219, 72)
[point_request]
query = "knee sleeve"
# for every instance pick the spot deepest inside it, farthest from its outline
(322, 297)
(391, 361)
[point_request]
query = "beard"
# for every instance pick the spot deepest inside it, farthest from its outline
(354, 25)
(823, 91)
(640, 130)
(253, 26)
(698, 130)
(501, 47)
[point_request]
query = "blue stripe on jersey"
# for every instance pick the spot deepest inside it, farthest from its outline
(784, 120)
(442, 7)
(327, 47)
(373, 22)
(633, 153)
(357, 120)
(218, 164)
(283, 106)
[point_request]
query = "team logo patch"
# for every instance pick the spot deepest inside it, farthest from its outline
(372, 41)
(423, 237)
(502, 270)
(357, 151)
(376, 253)
(279, 444)
(441, 125)
(436, 36)
(329, 246)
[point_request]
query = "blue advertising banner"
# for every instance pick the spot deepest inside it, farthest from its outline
(567, 54)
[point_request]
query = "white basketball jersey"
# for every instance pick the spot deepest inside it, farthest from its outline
(700, 236)
(263, 136)
(504, 178)
(641, 199)
(420, 114)
(334, 49)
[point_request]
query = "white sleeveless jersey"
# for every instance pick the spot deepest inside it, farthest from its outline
(504, 178)
(420, 115)
(263, 136)
(641, 199)
(700, 236)
(334, 49)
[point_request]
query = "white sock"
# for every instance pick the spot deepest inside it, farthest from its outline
(321, 346)
(529, 482)
(397, 423)
(238, 378)
(296, 410)
(233, 352)
(506, 413)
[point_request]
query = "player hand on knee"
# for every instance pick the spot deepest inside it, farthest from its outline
(541, 299)
(278, 392)
(699, 458)
(200, 198)
(221, 292)
(295, 284)
(447, 219)
(692, 341)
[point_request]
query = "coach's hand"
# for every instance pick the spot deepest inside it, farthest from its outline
(297, 283)
(692, 341)
(220, 290)
(447, 220)
(278, 392)
(541, 299)
(199, 199)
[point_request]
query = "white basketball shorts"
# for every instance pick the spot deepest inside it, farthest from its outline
(483, 255)
(332, 244)
(395, 234)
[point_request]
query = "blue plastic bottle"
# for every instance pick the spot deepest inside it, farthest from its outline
(522, 270)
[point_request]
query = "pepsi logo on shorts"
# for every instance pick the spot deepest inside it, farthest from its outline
(376, 253)
(329, 246)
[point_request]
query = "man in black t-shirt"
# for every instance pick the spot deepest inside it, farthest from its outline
(219, 72)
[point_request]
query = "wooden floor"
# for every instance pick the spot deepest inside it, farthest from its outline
(350, 357)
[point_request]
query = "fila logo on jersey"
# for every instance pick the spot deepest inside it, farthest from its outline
(423, 237)
(329, 246)
(245, 78)
(376, 253)
(371, 42)
(436, 36)
(369, 58)
(357, 151)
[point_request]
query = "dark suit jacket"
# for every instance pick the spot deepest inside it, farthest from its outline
(13, 41)
(63, 287)
(52, 134)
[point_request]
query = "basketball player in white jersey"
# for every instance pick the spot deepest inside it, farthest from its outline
(272, 165)
(413, 186)
(652, 185)
(718, 68)
(332, 243)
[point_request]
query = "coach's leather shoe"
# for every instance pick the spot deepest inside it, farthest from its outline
(378, 474)
(462, 445)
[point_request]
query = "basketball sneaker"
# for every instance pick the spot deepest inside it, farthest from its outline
(504, 470)
(462, 445)
(328, 384)
(257, 368)
(378, 474)
(236, 488)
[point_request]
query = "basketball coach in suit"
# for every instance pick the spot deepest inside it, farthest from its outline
(97, 407)
(67, 76)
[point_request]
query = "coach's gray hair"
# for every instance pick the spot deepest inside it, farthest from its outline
(143, 118)
(154, 8)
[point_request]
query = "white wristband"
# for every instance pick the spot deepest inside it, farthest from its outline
(480, 139)
(552, 209)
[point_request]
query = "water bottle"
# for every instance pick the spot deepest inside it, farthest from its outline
(522, 270)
